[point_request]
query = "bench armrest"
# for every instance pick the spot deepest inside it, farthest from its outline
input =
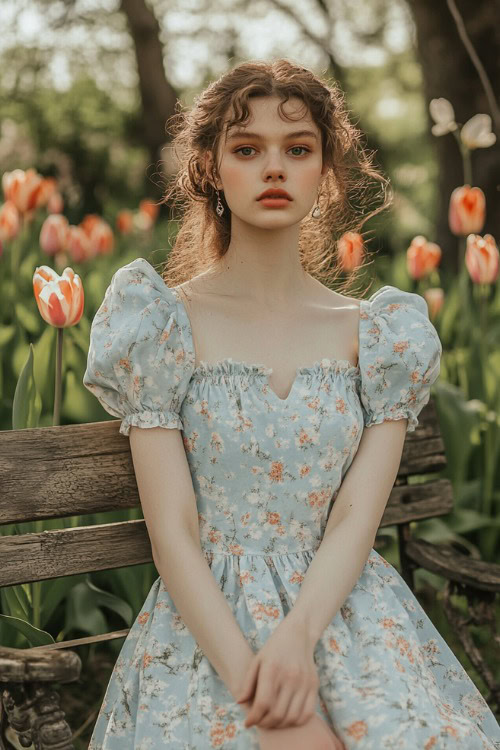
(24, 665)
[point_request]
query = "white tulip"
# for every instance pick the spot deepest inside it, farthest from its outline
(476, 133)
(441, 111)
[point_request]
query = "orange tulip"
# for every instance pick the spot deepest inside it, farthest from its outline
(481, 258)
(422, 257)
(9, 221)
(24, 189)
(88, 223)
(467, 210)
(55, 204)
(148, 207)
(60, 299)
(78, 244)
(351, 250)
(54, 234)
(124, 221)
(435, 299)
(99, 233)
(47, 189)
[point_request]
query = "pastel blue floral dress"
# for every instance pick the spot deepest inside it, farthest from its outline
(266, 472)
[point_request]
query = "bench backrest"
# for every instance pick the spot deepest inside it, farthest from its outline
(71, 470)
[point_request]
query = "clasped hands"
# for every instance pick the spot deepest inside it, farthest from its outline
(281, 685)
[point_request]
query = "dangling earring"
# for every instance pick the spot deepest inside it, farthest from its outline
(316, 210)
(219, 208)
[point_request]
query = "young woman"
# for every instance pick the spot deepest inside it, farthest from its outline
(266, 415)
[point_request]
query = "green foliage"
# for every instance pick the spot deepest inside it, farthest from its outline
(83, 134)
(27, 403)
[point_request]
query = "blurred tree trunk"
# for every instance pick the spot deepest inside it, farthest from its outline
(157, 93)
(449, 72)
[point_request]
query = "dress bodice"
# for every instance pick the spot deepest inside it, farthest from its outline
(265, 470)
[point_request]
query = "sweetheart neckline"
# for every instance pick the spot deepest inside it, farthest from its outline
(233, 367)
(203, 367)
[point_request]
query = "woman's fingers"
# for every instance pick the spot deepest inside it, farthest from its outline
(279, 710)
(294, 711)
(264, 696)
(247, 689)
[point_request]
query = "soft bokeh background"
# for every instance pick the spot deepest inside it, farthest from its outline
(86, 88)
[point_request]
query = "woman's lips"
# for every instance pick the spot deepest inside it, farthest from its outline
(272, 202)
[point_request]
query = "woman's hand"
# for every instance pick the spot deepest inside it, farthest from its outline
(315, 734)
(281, 685)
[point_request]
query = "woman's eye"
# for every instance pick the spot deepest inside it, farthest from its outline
(243, 148)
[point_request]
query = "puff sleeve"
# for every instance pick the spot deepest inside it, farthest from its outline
(140, 361)
(399, 356)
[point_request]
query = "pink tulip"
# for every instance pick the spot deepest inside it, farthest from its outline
(422, 257)
(99, 233)
(78, 244)
(54, 234)
(467, 210)
(351, 250)
(60, 299)
(24, 189)
(481, 258)
(435, 299)
(55, 204)
(9, 221)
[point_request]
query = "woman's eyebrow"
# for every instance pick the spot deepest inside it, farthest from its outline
(248, 134)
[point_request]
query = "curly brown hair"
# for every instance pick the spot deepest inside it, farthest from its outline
(349, 187)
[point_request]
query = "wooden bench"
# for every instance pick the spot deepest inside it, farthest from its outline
(57, 472)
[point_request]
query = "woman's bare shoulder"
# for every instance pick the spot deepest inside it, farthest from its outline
(338, 301)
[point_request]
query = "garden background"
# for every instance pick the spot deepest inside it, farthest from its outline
(86, 88)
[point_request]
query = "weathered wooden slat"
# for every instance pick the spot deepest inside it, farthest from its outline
(68, 470)
(55, 472)
(52, 554)
(453, 565)
(414, 502)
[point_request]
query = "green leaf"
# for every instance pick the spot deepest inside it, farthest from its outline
(112, 602)
(53, 592)
(34, 636)
(27, 406)
(458, 419)
(465, 519)
(16, 601)
(84, 613)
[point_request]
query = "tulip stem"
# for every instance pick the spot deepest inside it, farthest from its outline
(57, 394)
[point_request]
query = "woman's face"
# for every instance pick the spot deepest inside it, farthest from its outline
(269, 152)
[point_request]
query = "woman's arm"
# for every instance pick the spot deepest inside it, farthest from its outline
(169, 507)
(351, 529)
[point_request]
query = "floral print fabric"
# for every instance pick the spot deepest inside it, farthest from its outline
(266, 472)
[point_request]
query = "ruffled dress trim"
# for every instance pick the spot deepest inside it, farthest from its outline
(148, 419)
